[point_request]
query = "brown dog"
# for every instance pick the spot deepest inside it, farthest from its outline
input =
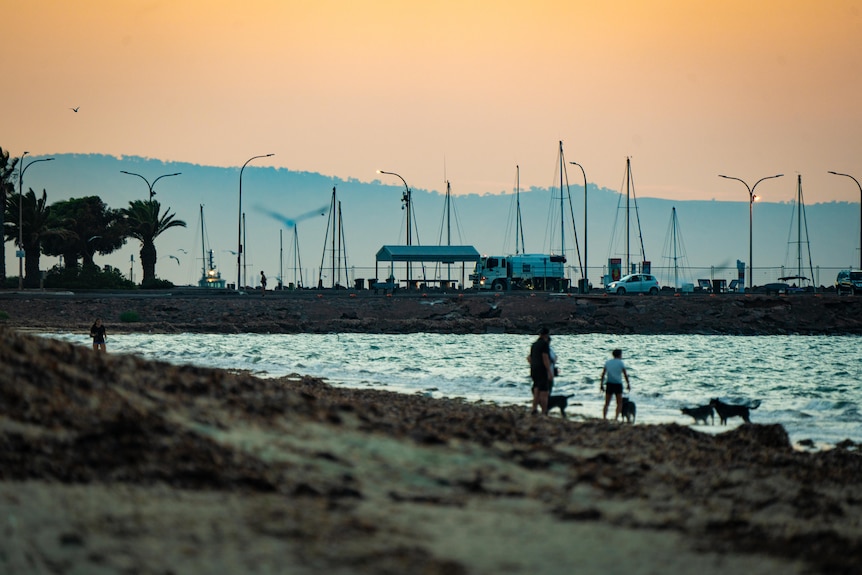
(726, 410)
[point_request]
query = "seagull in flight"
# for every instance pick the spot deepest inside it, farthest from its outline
(175, 258)
(75, 109)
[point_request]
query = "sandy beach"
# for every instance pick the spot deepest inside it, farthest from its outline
(114, 464)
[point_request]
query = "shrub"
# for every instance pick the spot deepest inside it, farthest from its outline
(90, 277)
(157, 284)
(3, 315)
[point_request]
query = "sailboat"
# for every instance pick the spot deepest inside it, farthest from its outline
(801, 221)
(338, 252)
(616, 269)
(676, 248)
(565, 193)
(210, 276)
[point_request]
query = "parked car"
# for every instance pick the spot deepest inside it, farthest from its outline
(776, 288)
(634, 283)
(849, 282)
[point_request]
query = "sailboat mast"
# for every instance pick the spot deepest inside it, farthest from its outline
(628, 234)
(203, 246)
(799, 227)
(244, 251)
(518, 231)
(448, 226)
(344, 249)
(297, 262)
(675, 261)
(334, 233)
(562, 210)
(338, 255)
(281, 258)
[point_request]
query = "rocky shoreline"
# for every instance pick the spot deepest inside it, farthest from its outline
(327, 311)
(111, 463)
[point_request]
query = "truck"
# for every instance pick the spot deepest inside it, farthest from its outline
(520, 271)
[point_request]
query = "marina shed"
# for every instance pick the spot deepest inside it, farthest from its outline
(426, 254)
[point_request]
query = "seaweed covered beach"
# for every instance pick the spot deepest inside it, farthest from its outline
(110, 464)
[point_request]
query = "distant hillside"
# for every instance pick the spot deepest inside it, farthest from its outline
(714, 234)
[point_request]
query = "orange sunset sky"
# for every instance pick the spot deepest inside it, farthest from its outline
(459, 90)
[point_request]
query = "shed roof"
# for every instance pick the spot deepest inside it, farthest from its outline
(444, 254)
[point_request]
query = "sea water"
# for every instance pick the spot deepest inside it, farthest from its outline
(809, 384)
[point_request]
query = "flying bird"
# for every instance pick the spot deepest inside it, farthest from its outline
(290, 222)
(182, 250)
(75, 109)
(175, 258)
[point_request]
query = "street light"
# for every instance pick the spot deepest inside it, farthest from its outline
(860, 212)
(406, 199)
(586, 288)
(239, 224)
(149, 185)
(21, 216)
(751, 199)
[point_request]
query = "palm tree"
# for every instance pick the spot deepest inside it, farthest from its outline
(7, 190)
(145, 225)
(95, 227)
(37, 225)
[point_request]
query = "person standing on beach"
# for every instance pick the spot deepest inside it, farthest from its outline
(614, 371)
(97, 332)
(262, 283)
(541, 371)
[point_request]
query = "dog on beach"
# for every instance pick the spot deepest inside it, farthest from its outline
(630, 410)
(561, 401)
(700, 413)
(726, 410)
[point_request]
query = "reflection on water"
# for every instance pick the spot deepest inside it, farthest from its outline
(810, 384)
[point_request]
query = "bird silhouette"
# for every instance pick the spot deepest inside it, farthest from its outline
(75, 109)
(175, 258)
(182, 250)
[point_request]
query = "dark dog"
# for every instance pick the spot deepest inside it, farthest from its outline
(700, 413)
(630, 410)
(726, 410)
(561, 401)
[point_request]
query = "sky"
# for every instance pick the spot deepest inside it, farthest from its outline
(462, 91)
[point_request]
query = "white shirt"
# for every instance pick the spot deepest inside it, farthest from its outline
(614, 370)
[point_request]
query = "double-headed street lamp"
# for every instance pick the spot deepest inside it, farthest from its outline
(239, 224)
(751, 199)
(586, 288)
(860, 212)
(406, 198)
(149, 185)
(21, 216)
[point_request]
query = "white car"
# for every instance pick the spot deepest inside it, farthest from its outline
(634, 283)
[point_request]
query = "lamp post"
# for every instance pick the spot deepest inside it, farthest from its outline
(239, 222)
(406, 198)
(586, 288)
(21, 216)
(751, 199)
(149, 185)
(860, 211)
